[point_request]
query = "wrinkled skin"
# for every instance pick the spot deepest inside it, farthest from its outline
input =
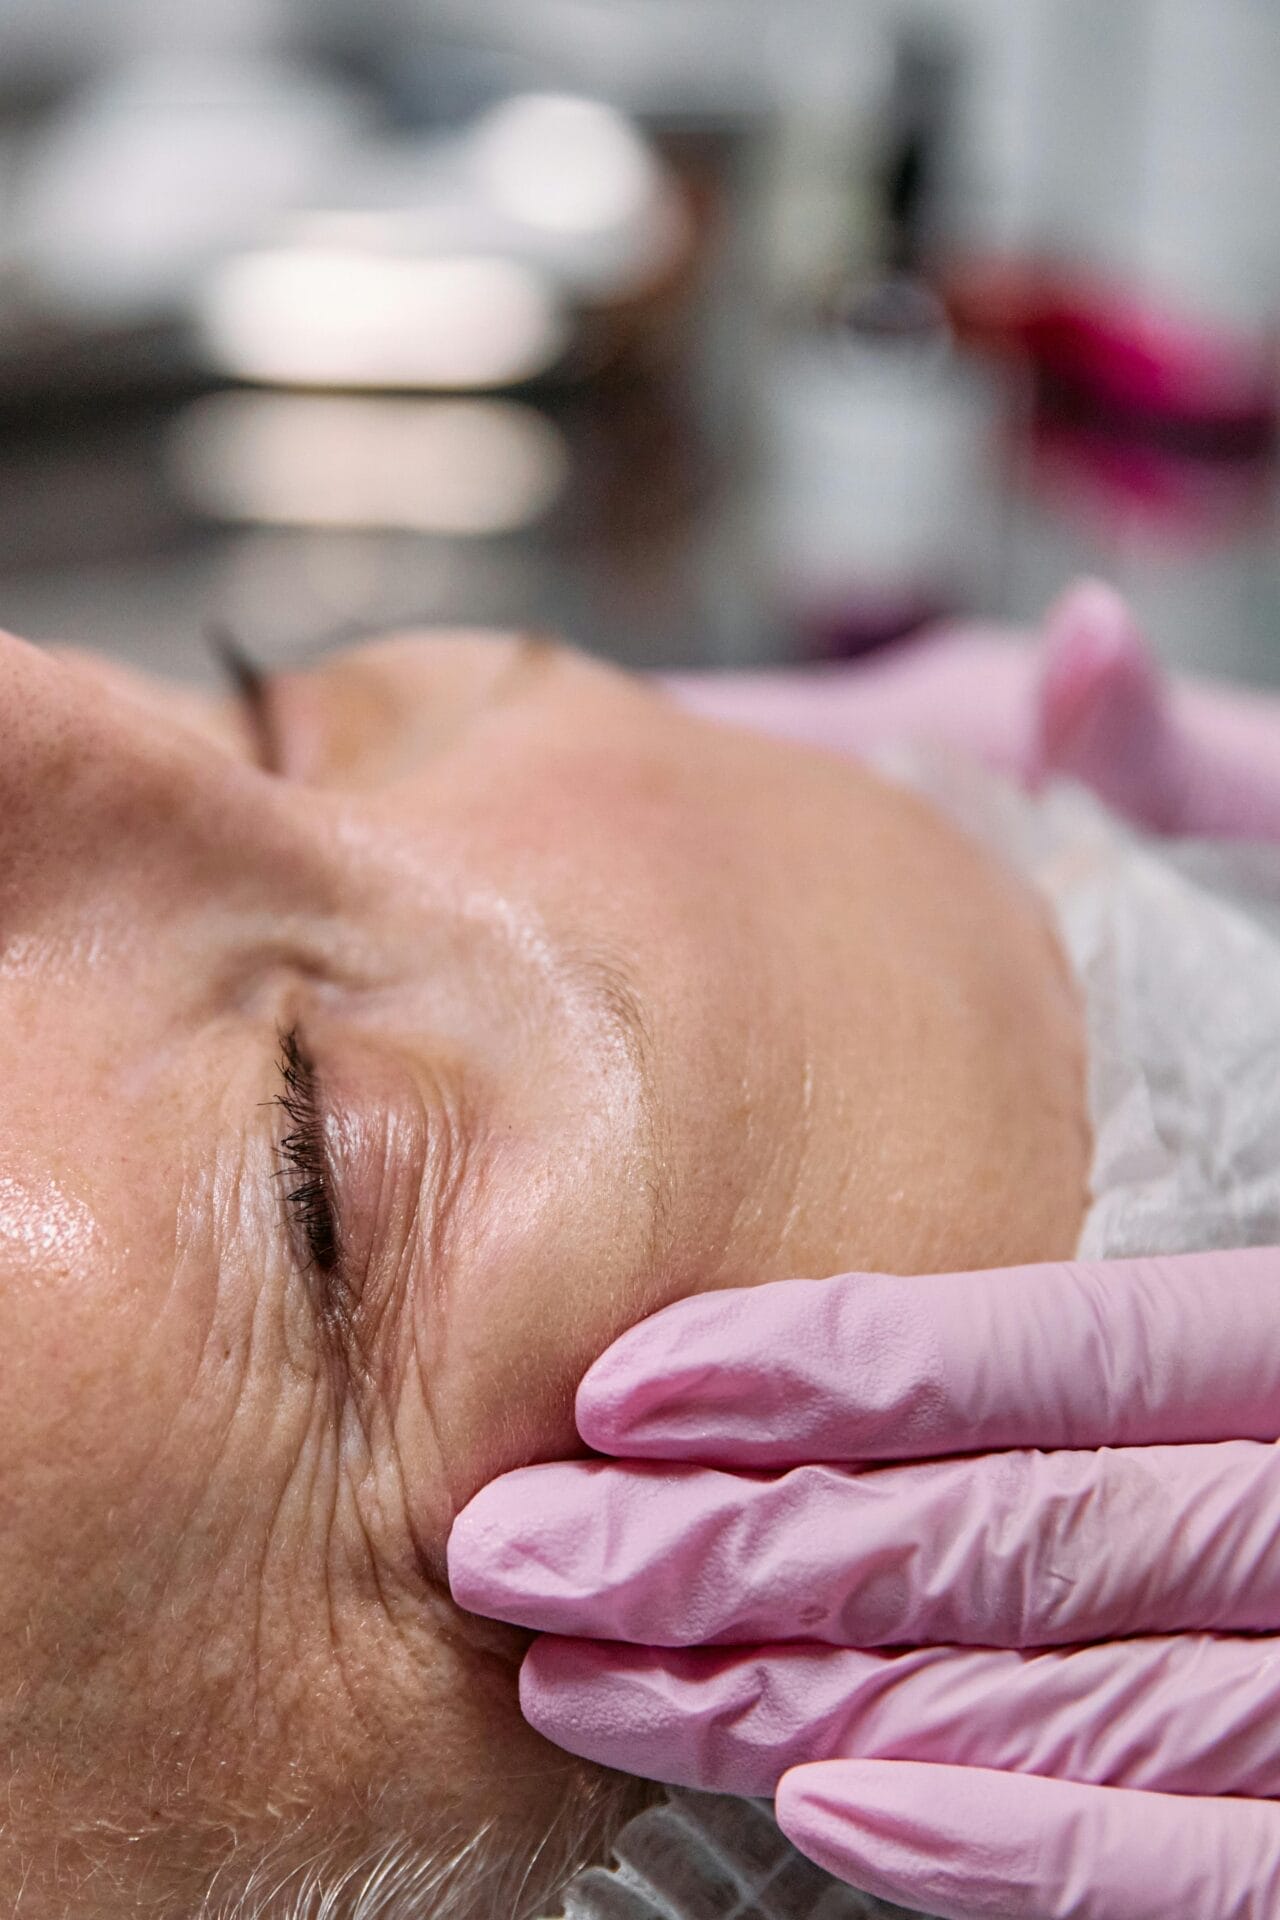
(605, 1005)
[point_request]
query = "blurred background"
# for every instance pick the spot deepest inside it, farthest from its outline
(708, 332)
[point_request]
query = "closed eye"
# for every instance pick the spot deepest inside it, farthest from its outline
(304, 1167)
(309, 1192)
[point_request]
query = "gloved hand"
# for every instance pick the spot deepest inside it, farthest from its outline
(1093, 1460)
(1089, 703)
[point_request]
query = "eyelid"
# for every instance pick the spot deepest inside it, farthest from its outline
(304, 1155)
(396, 1154)
(310, 1206)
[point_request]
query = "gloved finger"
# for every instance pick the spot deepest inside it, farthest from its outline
(1188, 1714)
(1005, 1550)
(1105, 711)
(865, 1366)
(967, 1844)
(1176, 759)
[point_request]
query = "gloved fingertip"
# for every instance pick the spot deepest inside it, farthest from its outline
(1096, 617)
(538, 1689)
(823, 1797)
(469, 1556)
(878, 1826)
(601, 1407)
(490, 1555)
(622, 1391)
(1097, 664)
(565, 1698)
(829, 1811)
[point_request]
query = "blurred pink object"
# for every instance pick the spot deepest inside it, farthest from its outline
(1177, 758)
(1119, 357)
(1091, 704)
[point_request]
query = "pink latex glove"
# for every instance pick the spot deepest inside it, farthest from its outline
(966, 1844)
(1094, 1460)
(1090, 703)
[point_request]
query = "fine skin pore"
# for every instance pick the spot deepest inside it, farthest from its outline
(605, 1005)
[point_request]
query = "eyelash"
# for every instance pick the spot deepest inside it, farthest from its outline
(302, 1156)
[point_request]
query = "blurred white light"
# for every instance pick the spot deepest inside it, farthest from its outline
(568, 165)
(456, 467)
(347, 317)
(154, 170)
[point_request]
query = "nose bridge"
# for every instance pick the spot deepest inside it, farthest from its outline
(91, 784)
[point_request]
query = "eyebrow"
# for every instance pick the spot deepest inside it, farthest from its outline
(252, 686)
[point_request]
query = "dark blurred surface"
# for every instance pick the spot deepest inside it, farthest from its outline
(309, 333)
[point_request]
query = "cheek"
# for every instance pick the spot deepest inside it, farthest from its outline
(75, 1391)
(541, 1293)
(49, 1235)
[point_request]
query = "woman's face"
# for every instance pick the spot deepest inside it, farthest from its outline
(581, 1005)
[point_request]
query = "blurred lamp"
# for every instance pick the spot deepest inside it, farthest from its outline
(579, 190)
(571, 165)
(451, 467)
(353, 317)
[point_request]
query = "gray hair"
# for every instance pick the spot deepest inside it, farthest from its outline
(482, 1875)
(399, 1879)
